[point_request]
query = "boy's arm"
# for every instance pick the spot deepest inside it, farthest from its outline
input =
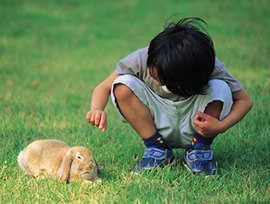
(209, 126)
(96, 116)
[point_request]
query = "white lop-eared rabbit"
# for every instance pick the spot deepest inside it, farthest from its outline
(55, 158)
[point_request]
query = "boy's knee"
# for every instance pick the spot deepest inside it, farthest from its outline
(121, 92)
(124, 86)
(221, 98)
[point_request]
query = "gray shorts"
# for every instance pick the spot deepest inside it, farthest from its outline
(174, 120)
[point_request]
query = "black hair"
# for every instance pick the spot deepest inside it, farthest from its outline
(184, 57)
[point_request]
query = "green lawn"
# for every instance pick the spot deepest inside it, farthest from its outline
(53, 54)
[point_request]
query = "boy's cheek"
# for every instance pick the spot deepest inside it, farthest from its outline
(158, 83)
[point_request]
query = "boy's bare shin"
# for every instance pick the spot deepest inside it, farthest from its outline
(135, 112)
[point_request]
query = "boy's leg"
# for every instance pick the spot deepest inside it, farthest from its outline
(213, 109)
(135, 112)
(140, 118)
(199, 155)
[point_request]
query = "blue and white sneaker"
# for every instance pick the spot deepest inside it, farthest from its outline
(153, 158)
(199, 161)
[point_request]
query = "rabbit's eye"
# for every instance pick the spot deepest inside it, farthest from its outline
(78, 156)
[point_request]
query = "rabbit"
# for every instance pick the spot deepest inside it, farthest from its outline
(55, 158)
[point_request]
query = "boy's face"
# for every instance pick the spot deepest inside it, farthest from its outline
(156, 80)
(154, 76)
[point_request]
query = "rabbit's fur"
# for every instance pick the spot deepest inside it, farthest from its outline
(55, 158)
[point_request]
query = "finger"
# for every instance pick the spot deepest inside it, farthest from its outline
(104, 127)
(92, 118)
(202, 116)
(97, 119)
(199, 130)
(198, 121)
(102, 120)
(88, 116)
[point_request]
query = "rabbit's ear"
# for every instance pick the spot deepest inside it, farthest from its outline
(64, 170)
(98, 168)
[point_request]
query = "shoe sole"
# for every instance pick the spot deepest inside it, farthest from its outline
(168, 163)
(187, 167)
(197, 173)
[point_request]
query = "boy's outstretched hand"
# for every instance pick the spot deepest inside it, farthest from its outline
(97, 118)
(207, 125)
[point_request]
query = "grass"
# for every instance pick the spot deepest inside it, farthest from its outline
(53, 54)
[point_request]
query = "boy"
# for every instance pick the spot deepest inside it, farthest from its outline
(175, 94)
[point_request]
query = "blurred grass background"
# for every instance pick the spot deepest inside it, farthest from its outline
(53, 54)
